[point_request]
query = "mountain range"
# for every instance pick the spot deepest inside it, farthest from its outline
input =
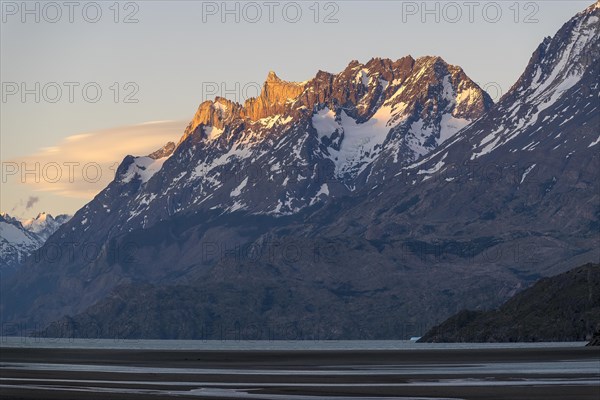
(368, 204)
(19, 238)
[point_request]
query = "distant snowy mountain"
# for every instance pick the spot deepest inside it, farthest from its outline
(20, 238)
(16, 242)
(44, 224)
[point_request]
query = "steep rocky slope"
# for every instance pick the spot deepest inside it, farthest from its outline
(565, 307)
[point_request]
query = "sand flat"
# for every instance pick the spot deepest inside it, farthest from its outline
(535, 373)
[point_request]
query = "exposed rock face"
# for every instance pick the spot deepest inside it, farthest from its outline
(163, 152)
(221, 112)
(565, 307)
(217, 113)
(361, 207)
(273, 98)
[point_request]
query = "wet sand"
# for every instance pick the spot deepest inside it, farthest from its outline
(541, 373)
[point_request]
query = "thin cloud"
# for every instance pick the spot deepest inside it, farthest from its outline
(82, 165)
(78, 137)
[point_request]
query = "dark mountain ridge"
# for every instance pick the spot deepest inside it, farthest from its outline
(561, 308)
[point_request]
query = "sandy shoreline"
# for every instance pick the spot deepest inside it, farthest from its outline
(541, 373)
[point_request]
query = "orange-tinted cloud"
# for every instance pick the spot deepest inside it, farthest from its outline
(82, 165)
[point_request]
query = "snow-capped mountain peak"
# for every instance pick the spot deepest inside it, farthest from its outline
(19, 238)
(551, 110)
(16, 242)
(297, 144)
(44, 224)
(558, 65)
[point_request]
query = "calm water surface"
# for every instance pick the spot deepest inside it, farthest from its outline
(31, 342)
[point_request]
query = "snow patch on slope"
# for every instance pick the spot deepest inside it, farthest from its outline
(144, 168)
(238, 190)
(361, 141)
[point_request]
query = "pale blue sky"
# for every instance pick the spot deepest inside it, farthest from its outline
(171, 52)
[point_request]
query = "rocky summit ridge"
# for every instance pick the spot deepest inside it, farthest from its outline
(359, 89)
